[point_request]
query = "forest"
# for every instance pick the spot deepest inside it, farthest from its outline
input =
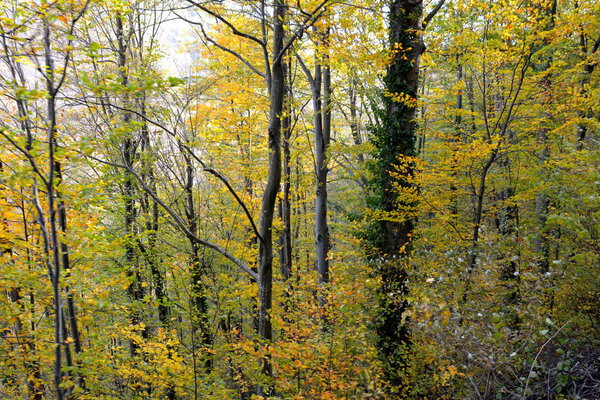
(300, 199)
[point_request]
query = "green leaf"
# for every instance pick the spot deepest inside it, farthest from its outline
(95, 46)
(174, 81)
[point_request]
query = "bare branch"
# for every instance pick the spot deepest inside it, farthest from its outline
(309, 76)
(229, 187)
(69, 43)
(225, 49)
(432, 14)
(185, 230)
(234, 30)
(204, 167)
(533, 364)
(307, 23)
(27, 155)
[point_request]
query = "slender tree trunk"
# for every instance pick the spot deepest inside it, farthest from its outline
(541, 241)
(354, 120)
(508, 222)
(32, 366)
(34, 377)
(24, 341)
(199, 268)
(541, 244)
(322, 117)
(54, 247)
(150, 210)
(265, 258)
(71, 315)
(62, 221)
(135, 289)
(320, 84)
(285, 205)
(477, 218)
(588, 69)
(458, 134)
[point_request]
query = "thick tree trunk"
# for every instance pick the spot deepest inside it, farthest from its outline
(400, 123)
(391, 236)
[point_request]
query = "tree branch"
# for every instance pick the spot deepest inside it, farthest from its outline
(432, 14)
(204, 167)
(309, 76)
(229, 187)
(184, 229)
(225, 49)
(307, 23)
(27, 155)
(234, 30)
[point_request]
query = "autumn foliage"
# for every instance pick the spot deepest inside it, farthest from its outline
(164, 168)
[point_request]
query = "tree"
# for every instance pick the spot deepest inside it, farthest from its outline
(160, 224)
(51, 213)
(394, 140)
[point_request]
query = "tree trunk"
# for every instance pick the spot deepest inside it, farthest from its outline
(135, 289)
(34, 379)
(24, 340)
(285, 204)
(53, 248)
(458, 134)
(395, 137)
(199, 269)
(265, 251)
(354, 120)
(150, 209)
(588, 69)
(321, 90)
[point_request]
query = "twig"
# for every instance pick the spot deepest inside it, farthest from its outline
(536, 357)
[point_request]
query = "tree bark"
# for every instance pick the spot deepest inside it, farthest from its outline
(588, 69)
(135, 289)
(53, 248)
(354, 119)
(285, 205)
(23, 338)
(321, 90)
(199, 299)
(394, 138)
(265, 251)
